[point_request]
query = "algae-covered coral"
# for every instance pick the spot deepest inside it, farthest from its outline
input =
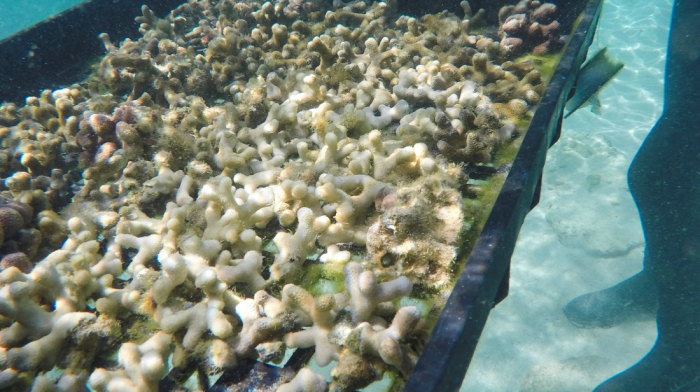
(184, 203)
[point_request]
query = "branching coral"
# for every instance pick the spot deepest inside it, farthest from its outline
(322, 314)
(295, 248)
(217, 157)
(213, 315)
(366, 294)
(305, 381)
(386, 343)
(143, 366)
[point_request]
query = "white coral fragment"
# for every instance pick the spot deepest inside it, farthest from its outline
(295, 248)
(366, 293)
(174, 273)
(305, 381)
(386, 343)
(335, 255)
(244, 271)
(215, 314)
(143, 367)
(148, 247)
(44, 352)
(322, 312)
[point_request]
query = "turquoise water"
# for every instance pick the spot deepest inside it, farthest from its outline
(583, 236)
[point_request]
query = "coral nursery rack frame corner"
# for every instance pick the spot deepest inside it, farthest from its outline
(51, 54)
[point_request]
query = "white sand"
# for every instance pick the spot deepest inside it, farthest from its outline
(585, 234)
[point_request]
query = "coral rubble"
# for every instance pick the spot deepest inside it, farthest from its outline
(184, 201)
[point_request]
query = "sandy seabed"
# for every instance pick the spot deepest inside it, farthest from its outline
(585, 233)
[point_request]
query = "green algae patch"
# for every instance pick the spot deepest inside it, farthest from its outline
(387, 383)
(318, 279)
(423, 305)
(478, 209)
(506, 154)
(545, 64)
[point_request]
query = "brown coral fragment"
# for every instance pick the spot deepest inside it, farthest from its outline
(355, 372)
(530, 26)
(18, 260)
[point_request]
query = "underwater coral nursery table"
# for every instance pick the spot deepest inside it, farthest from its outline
(249, 184)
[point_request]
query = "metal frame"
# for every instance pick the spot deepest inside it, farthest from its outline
(37, 58)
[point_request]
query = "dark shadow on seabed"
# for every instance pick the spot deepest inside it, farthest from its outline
(665, 185)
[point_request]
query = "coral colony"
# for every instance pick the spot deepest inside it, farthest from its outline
(204, 195)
